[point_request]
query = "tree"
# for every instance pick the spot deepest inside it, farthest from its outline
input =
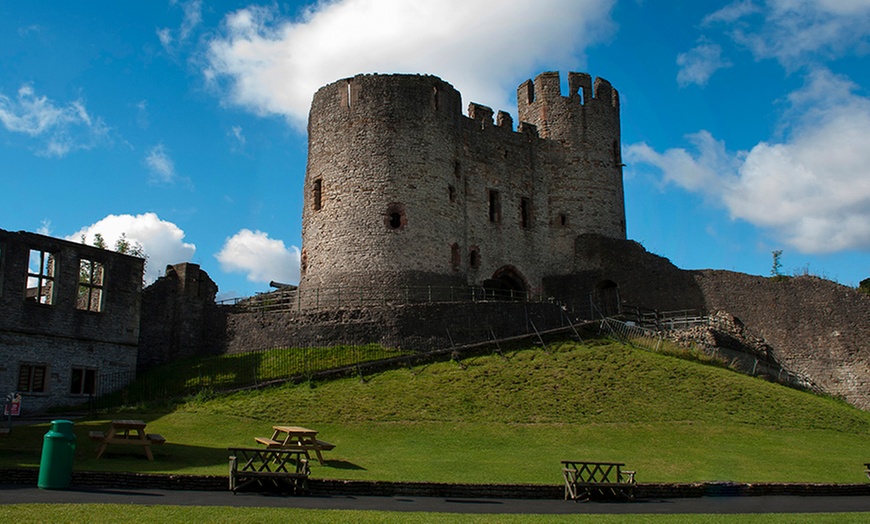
(775, 271)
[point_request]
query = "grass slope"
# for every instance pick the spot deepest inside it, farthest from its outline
(671, 419)
(511, 420)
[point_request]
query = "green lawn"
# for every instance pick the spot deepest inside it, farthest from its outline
(511, 420)
(26, 513)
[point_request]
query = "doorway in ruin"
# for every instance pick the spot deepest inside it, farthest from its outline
(606, 298)
(506, 284)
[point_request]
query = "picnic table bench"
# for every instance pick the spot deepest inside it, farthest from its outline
(269, 467)
(296, 438)
(583, 480)
(131, 432)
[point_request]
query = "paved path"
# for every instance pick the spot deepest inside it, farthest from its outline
(17, 494)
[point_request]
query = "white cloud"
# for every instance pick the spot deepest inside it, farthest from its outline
(699, 64)
(192, 18)
(162, 241)
(262, 258)
(161, 165)
(165, 37)
(811, 190)
(273, 66)
(796, 31)
(61, 129)
(732, 12)
(236, 132)
(45, 227)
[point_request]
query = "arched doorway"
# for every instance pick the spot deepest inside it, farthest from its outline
(606, 298)
(506, 284)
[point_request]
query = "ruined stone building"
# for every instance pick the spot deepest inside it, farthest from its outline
(69, 313)
(402, 189)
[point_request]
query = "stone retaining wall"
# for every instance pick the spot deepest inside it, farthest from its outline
(326, 487)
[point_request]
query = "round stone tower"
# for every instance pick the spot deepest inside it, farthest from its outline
(381, 153)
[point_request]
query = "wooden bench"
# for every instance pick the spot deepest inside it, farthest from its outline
(585, 480)
(318, 445)
(280, 469)
(155, 438)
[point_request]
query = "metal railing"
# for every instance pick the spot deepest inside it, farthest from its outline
(342, 297)
(665, 320)
(741, 361)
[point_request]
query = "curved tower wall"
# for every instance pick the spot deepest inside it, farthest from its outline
(586, 191)
(380, 154)
(402, 189)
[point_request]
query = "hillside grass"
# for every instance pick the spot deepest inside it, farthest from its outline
(490, 419)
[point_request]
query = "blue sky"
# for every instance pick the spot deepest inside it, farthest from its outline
(745, 125)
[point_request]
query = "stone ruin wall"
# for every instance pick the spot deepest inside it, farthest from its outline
(814, 327)
(179, 317)
(381, 145)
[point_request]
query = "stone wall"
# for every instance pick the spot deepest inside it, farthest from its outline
(416, 327)
(814, 327)
(179, 317)
(374, 488)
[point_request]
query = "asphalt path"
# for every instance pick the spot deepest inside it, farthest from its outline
(21, 494)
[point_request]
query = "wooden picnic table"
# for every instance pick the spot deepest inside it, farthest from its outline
(584, 479)
(131, 432)
(296, 437)
(269, 467)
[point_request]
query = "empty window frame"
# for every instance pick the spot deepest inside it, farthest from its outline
(32, 378)
(494, 206)
(395, 218)
(455, 259)
(525, 212)
(90, 291)
(317, 194)
(83, 381)
(474, 257)
(451, 193)
(41, 271)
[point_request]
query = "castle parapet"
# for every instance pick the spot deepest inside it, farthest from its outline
(480, 113)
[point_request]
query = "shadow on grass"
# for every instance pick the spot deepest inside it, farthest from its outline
(343, 464)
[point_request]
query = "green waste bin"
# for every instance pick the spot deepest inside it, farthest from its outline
(58, 449)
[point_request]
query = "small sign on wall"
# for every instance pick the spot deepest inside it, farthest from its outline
(13, 405)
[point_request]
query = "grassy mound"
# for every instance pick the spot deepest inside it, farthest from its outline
(511, 419)
(496, 419)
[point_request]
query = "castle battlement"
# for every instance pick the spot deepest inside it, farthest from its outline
(547, 88)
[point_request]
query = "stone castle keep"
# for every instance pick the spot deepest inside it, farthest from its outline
(403, 190)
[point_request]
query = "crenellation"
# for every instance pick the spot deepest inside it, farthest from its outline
(480, 113)
(504, 120)
(581, 84)
(605, 92)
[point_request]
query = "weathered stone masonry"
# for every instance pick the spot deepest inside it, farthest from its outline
(402, 189)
